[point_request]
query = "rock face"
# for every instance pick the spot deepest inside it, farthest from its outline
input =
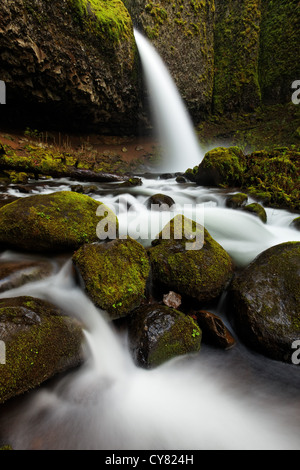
(236, 55)
(56, 222)
(40, 342)
(183, 33)
(74, 64)
(114, 275)
(158, 333)
(71, 64)
(200, 273)
(265, 301)
(17, 273)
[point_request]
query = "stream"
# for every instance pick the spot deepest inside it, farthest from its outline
(216, 399)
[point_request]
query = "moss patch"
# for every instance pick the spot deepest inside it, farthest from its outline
(107, 20)
(61, 221)
(202, 273)
(40, 342)
(115, 274)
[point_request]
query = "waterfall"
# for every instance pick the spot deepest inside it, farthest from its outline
(180, 146)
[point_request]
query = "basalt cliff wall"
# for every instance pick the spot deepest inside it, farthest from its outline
(74, 63)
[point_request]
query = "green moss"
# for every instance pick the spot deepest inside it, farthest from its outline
(107, 20)
(55, 222)
(279, 45)
(257, 210)
(40, 342)
(237, 33)
(201, 273)
(114, 274)
(271, 176)
(183, 337)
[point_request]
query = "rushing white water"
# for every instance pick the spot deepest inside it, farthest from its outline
(179, 143)
(213, 400)
(189, 403)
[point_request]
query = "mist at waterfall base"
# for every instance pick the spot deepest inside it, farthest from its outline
(212, 400)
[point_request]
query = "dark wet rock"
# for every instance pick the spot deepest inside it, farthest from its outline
(79, 188)
(186, 259)
(236, 201)
(114, 275)
(172, 299)
(40, 342)
(256, 210)
(296, 223)
(84, 80)
(265, 301)
(160, 202)
(181, 179)
(213, 329)
(158, 333)
(17, 273)
(60, 221)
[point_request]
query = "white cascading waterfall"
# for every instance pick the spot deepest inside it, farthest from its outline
(180, 146)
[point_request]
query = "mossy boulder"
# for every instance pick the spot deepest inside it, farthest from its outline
(40, 342)
(237, 200)
(296, 223)
(186, 259)
(60, 221)
(256, 210)
(220, 167)
(269, 176)
(158, 333)
(265, 302)
(114, 275)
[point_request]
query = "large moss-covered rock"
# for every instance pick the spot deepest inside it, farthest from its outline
(114, 274)
(270, 176)
(158, 333)
(200, 271)
(265, 301)
(182, 31)
(61, 221)
(69, 65)
(40, 341)
(220, 167)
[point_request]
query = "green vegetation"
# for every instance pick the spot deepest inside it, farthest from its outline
(272, 177)
(40, 342)
(108, 20)
(59, 221)
(200, 273)
(114, 274)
